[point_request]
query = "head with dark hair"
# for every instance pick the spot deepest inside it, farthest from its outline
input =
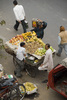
(47, 46)
(62, 28)
(22, 44)
(15, 2)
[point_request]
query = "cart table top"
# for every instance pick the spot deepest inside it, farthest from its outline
(12, 49)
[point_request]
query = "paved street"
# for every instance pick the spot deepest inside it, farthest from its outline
(54, 12)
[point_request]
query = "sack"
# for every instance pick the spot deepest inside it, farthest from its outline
(26, 24)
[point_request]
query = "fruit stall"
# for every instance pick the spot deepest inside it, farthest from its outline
(35, 48)
(34, 45)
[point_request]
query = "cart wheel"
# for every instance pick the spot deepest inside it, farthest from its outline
(17, 92)
(31, 71)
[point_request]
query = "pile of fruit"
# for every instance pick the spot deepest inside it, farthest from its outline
(42, 51)
(25, 35)
(33, 46)
(32, 43)
(40, 42)
(31, 40)
(29, 36)
(16, 40)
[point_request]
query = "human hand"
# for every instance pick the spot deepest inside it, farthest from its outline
(24, 61)
(41, 65)
(39, 20)
(19, 21)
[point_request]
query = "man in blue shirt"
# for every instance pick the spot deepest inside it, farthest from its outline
(40, 28)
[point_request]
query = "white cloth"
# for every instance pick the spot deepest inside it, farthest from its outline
(48, 61)
(20, 53)
(19, 12)
(43, 68)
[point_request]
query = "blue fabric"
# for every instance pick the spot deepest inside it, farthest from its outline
(40, 31)
(61, 46)
(59, 40)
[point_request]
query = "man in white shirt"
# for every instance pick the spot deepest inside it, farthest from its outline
(20, 15)
(20, 58)
(48, 60)
(21, 52)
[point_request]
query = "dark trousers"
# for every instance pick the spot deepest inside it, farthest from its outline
(19, 67)
(20, 64)
(22, 23)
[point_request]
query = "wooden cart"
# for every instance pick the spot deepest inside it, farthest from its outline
(30, 65)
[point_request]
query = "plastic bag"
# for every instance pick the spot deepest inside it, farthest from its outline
(30, 91)
(26, 24)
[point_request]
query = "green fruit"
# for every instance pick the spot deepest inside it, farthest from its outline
(52, 48)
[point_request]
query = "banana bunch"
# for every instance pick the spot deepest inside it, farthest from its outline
(34, 38)
(25, 35)
(29, 86)
(28, 35)
(41, 42)
(33, 33)
(30, 40)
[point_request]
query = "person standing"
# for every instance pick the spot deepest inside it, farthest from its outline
(62, 41)
(40, 28)
(48, 60)
(20, 15)
(20, 58)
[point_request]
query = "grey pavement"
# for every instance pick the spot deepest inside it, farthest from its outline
(54, 12)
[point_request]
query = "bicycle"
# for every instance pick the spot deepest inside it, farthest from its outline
(10, 89)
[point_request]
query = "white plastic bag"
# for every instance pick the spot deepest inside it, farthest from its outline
(33, 91)
(26, 24)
